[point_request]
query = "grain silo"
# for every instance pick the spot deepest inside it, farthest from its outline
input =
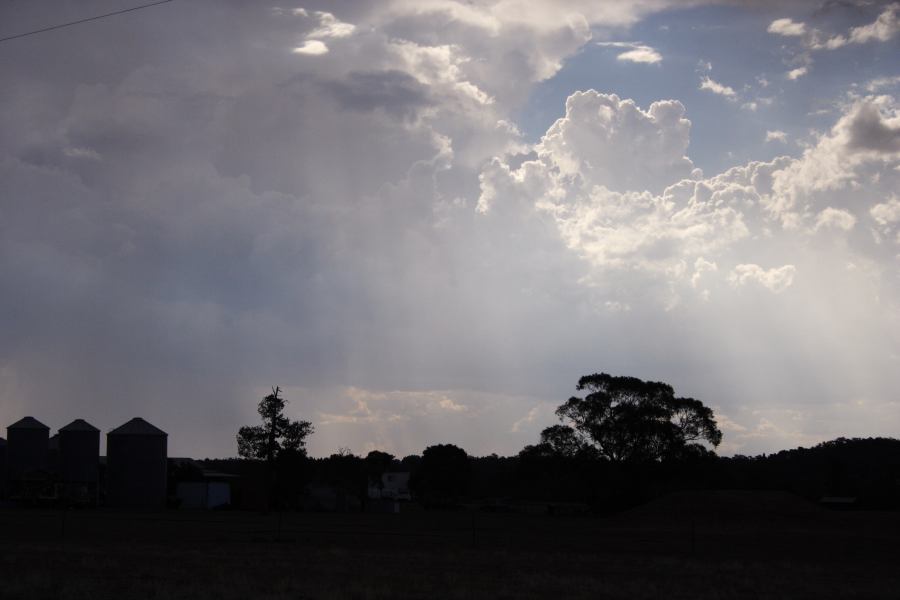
(53, 456)
(27, 448)
(136, 465)
(2, 468)
(27, 457)
(79, 459)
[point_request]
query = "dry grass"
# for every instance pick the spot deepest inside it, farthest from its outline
(733, 553)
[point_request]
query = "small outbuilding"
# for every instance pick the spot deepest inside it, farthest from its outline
(196, 487)
(394, 485)
(79, 461)
(136, 466)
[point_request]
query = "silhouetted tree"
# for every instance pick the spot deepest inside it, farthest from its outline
(377, 463)
(345, 471)
(625, 419)
(281, 443)
(277, 435)
(443, 475)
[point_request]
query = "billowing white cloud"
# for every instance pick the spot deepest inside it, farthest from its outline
(715, 87)
(330, 27)
(641, 54)
(776, 279)
(635, 52)
(835, 218)
(787, 27)
(312, 48)
(612, 142)
(886, 213)
(864, 141)
(885, 27)
(797, 73)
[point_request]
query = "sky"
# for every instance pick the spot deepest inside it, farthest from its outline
(426, 219)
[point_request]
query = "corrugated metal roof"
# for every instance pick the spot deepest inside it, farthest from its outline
(79, 425)
(137, 426)
(28, 423)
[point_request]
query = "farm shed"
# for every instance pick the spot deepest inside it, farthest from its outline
(207, 493)
(79, 460)
(394, 485)
(136, 465)
(197, 487)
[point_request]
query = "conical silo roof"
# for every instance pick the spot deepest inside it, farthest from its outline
(137, 426)
(79, 425)
(28, 423)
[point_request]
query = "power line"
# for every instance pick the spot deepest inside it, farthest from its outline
(94, 18)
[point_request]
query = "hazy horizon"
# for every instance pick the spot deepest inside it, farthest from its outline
(425, 220)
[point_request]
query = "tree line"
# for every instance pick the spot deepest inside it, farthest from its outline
(624, 441)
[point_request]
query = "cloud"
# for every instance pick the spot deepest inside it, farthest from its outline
(787, 27)
(775, 279)
(882, 29)
(372, 232)
(776, 136)
(701, 266)
(612, 142)
(835, 218)
(636, 52)
(797, 73)
(873, 128)
(886, 213)
(330, 27)
(879, 83)
(865, 137)
(639, 240)
(641, 54)
(311, 48)
(717, 88)
(397, 420)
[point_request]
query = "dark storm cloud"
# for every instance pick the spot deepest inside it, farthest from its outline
(869, 131)
(394, 92)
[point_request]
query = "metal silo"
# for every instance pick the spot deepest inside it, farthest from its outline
(27, 450)
(79, 459)
(2, 468)
(136, 465)
(53, 456)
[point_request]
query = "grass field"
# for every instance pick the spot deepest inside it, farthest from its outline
(701, 545)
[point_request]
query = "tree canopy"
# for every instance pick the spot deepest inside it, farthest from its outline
(444, 474)
(625, 419)
(277, 435)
